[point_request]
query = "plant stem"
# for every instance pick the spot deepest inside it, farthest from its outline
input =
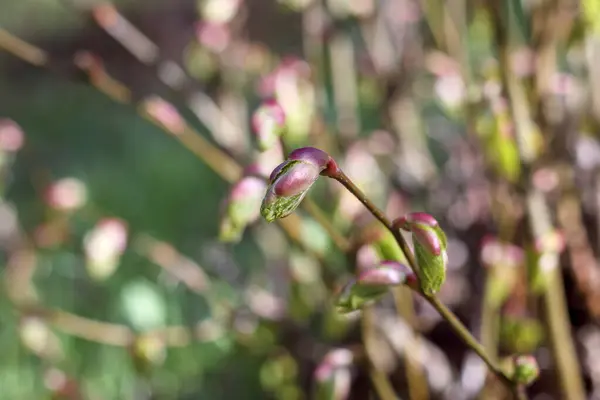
(380, 381)
(454, 322)
(415, 375)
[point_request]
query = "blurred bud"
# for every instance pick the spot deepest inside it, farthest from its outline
(37, 337)
(62, 386)
(497, 253)
(333, 375)
(103, 247)
(219, 11)
(165, 114)
(268, 123)
(502, 261)
(11, 136)
(451, 90)
(523, 369)
(67, 194)
(366, 257)
(148, 351)
(242, 207)
(429, 241)
(372, 284)
(291, 180)
(551, 242)
(214, 36)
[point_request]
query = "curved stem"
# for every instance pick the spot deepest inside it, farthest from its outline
(454, 322)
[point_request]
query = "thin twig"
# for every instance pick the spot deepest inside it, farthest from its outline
(454, 322)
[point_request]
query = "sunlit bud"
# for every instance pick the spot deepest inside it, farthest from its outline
(526, 369)
(103, 247)
(268, 124)
(430, 243)
(67, 194)
(11, 136)
(333, 375)
(214, 36)
(372, 284)
(242, 207)
(290, 181)
(165, 114)
(551, 242)
(497, 253)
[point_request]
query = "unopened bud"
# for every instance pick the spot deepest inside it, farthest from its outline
(430, 245)
(525, 369)
(333, 376)
(242, 207)
(291, 180)
(372, 284)
(268, 123)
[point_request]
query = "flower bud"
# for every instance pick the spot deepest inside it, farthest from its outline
(524, 369)
(333, 375)
(103, 247)
(268, 123)
(242, 207)
(429, 241)
(290, 181)
(372, 284)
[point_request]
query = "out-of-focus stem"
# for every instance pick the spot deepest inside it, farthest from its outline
(380, 381)
(415, 375)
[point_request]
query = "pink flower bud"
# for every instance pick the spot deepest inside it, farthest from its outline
(103, 247)
(290, 181)
(332, 376)
(67, 194)
(372, 284)
(268, 123)
(387, 273)
(214, 36)
(11, 136)
(242, 207)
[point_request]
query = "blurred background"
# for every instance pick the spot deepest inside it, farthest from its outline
(125, 129)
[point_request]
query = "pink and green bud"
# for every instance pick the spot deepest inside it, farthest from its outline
(268, 124)
(290, 181)
(372, 284)
(524, 370)
(242, 207)
(333, 375)
(430, 243)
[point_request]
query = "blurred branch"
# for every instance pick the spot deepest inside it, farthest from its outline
(379, 378)
(538, 214)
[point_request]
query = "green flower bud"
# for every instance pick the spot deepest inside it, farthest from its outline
(430, 243)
